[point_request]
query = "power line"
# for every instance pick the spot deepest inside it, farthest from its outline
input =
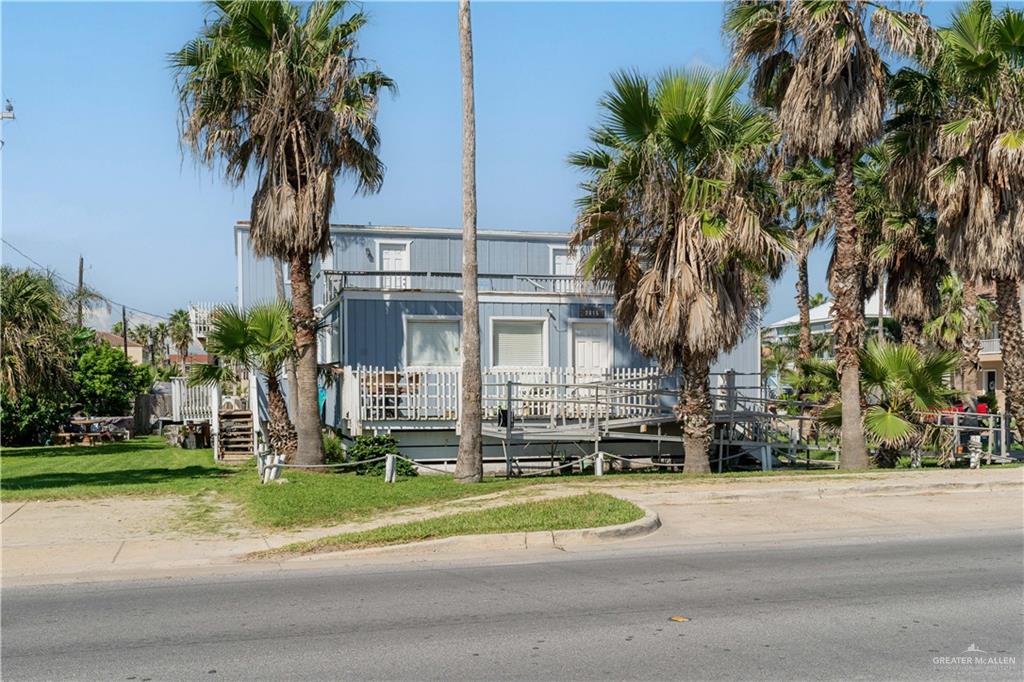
(73, 284)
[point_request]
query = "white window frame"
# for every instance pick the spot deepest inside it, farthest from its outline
(406, 318)
(609, 335)
(515, 318)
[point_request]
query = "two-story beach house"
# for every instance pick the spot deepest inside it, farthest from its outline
(390, 303)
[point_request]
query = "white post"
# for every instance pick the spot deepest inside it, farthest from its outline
(215, 419)
(176, 400)
(254, 407)
(974, 447)
(389, 469)
(599, 464)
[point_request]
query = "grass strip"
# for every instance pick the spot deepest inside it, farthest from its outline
(590, 510)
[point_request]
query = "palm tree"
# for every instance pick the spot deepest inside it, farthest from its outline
(289, 369)
(181, 334)
(899, 235)
(35, 315)
(278, 92)
(160, 333)
(956, 324)
(806, 187)
(817, 299)
(259, 340)
(817, 66)
(681, 218)
(978, 180)
(142, 334)
(899, 383)
(469, 465)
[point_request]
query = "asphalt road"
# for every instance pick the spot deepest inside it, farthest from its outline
(886, 610)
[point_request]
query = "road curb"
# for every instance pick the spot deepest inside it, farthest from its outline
(834, 491)
(557, 539)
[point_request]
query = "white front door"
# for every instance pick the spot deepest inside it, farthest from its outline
(394, 257)
(591, 348)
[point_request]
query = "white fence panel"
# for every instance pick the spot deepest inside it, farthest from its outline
(191, 403)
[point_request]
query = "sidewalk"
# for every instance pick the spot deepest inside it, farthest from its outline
(124, 538)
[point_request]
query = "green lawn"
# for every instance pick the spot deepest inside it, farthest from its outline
(579, 511)
(143, 466)
(148, 466)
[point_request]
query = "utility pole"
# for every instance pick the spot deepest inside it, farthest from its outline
(124, 330)
(81, 276)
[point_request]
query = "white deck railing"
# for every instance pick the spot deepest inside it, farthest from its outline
(190, 403)
(990, 346)
(423, 280)
(199, 315)
(372, 395)
(197, 404)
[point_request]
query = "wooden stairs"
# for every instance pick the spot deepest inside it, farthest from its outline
(236, 444)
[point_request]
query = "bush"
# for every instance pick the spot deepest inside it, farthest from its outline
(334, 449)
(107, 381)
(371, 447)
(31, 419)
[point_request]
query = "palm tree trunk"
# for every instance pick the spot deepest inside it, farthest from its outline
(880, 329)
(695, 414)
(469, 465)
(970, 342)
(911, 330)
(1011, 342)
(307, 414)
(281, 431)
(289, 368)
(803, 297)
(848, 314)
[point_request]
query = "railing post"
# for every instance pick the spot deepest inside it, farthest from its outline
(215, 419)
(1004, 423)
(508, 428)
(974, 447)
(389, 468)
(598, 462)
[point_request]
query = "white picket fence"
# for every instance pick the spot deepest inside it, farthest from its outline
(378, 394)
(197, 404)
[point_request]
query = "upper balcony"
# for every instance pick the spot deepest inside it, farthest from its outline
(990, 347)
(337, 281)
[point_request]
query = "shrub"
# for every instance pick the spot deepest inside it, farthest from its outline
(107, 381)
(334, 449)
(32, 419)
(371, 447)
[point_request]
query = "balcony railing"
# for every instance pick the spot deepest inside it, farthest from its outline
(990, 346)
(336, 281)
(199, 315)
(371, 395)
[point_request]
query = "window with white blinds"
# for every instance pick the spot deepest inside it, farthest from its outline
(518, 343)
(432, 343)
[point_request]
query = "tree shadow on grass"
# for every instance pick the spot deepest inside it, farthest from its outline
(152, 476)
(125, 447)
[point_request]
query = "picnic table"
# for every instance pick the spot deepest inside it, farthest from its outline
(91, 431)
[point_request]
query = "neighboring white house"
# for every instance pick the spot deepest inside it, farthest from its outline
(821, 321)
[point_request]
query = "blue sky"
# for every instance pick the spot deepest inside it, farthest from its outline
(92, 165)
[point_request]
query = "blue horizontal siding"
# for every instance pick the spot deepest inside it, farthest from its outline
(443, 253)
